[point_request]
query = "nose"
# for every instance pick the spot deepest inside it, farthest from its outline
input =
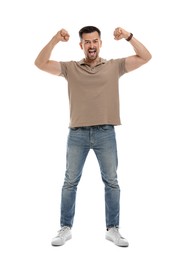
(91, 45)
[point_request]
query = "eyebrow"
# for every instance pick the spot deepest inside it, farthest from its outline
(87, 40)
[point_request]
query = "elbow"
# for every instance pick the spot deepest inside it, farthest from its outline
(36, 63)
(39, 64)
(149, 57)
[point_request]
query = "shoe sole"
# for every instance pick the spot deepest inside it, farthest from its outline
(109, 239)
(58, 244)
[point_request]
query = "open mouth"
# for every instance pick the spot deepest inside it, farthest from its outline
(92, 52)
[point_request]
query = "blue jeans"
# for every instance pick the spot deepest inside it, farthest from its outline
(103, 141)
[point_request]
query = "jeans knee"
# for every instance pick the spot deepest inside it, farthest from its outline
(71, 182)
(112, 184)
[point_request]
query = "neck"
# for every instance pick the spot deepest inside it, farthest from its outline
(92, 63)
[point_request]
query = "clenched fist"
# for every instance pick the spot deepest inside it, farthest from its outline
(63, 35)
(120, 33)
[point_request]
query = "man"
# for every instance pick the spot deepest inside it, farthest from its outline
(94, 111)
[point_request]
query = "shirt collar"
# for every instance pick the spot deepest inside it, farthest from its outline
(102, 61)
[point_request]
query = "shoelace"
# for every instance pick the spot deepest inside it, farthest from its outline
(117, 231)
(62, 231)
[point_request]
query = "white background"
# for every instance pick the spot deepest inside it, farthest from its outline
(34, 121)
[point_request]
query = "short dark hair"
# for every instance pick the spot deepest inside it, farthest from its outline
(89, 29)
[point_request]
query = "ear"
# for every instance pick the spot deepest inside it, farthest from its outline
(100, 43)
(81, 46)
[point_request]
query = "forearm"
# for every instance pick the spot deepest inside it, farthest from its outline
(44, 55)
(140, 49)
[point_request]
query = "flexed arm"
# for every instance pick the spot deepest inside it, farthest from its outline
(43, 61)
(142, 54)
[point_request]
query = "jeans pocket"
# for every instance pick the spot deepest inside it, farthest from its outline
(106, 127)
(74, 128)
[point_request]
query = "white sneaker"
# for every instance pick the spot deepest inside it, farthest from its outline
(113, 235)
(63, 235)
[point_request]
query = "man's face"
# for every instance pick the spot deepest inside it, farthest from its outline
(91, 44)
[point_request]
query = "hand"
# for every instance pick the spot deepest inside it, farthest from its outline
(120, 33)
(62, 35)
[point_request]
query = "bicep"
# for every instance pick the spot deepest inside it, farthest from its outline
(52, 67)
(133, 62)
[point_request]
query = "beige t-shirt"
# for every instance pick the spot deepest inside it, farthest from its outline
(93, 92)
